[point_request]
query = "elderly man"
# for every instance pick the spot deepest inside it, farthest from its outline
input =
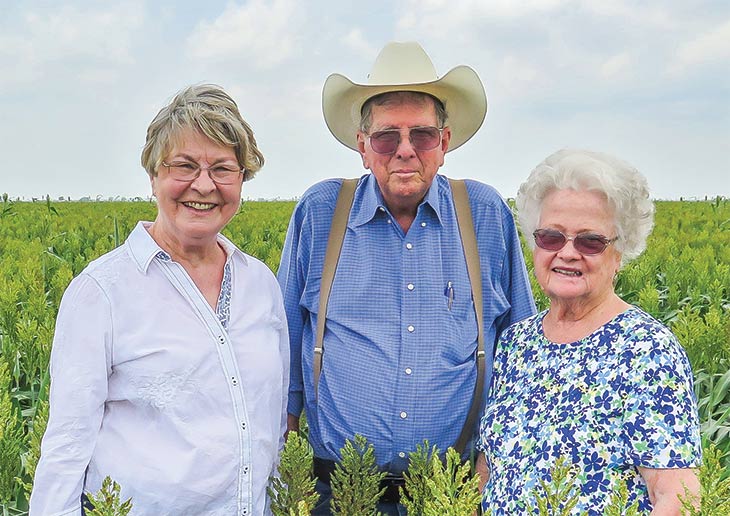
(399, 350)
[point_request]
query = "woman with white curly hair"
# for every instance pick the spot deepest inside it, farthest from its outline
(591, 379)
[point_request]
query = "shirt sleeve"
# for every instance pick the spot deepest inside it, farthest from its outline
(660, 425)
(515, 280)
(291, 281)
(80, 365)
(284, 350)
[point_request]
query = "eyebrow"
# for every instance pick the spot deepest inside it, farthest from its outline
(188, 157)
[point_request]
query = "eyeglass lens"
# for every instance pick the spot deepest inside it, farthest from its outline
(584, 243)
(422, 139)
(189, 171)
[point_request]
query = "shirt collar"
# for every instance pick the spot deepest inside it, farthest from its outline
(144, 249)
(369, 200)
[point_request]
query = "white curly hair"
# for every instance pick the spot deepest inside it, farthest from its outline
(626, 191)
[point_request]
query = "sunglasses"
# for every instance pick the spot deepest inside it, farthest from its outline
(584, 243)
(421, 138)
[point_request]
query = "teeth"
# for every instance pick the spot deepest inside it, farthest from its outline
(567, 272)
(200, 205)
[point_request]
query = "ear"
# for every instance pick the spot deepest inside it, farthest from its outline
(152, 184)
(361, 149)
(445, 138)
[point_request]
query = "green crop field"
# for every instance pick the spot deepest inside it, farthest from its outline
(683, 279)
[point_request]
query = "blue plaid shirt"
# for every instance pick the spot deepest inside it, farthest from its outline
(401, 333)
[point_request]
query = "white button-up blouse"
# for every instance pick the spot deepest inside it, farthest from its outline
(183, 406)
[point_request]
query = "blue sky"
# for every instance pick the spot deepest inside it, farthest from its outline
(647, 81)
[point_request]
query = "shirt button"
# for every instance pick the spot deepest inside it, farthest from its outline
(409, 246)
(380, 208)
(245, 470)
(390, 221)
(411, 286)
(409, 370)
(403, 415)
(402, 455)
(411, 328)
(221, 339)
(233, 380)
(243, 425)
(423, 224)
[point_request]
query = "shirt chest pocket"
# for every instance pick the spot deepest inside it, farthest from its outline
(460, 326)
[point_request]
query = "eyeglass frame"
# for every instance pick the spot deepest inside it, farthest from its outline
(601, 238)
(400, 139)
(199, 170)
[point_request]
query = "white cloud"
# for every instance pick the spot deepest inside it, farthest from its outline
(455, 17)
(264, 33)
(616, 65)
(358, 43)
(710, 47)
(54, 36)
(652, 14)
(517, 77)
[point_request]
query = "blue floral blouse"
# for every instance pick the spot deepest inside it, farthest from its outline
(618, 399)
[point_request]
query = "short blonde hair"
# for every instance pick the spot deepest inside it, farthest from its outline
(625, 189)
(209, 109)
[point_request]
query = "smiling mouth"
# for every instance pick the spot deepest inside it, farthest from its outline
(202, 206)
(566, 272)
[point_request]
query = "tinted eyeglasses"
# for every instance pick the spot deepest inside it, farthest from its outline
(422, 139)
(584, 243)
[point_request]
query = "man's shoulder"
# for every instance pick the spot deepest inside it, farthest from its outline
(324, 192)
(482, 193)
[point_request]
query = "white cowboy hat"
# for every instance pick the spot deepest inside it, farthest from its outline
(406, 67)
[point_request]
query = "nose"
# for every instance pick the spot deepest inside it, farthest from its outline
(568, 250)
(405, 148)
(203, 183)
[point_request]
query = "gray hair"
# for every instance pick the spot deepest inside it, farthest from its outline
(625, 189)
(210, 110)
(398, 98)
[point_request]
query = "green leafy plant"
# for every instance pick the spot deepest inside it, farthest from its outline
(618, 503)
(356, 480)
(292, 492)
(558, 497)
(40, 420)
(714, 489)
(11, 441)
(453, 491)
(107, 501)
(416, 491)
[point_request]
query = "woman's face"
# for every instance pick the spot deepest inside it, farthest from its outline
(192, 213)
(566, 275)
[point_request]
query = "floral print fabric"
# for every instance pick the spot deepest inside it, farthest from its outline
(616, 400)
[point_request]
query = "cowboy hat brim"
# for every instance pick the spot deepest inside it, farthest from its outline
(460, 90)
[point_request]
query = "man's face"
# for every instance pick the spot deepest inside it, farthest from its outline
(405, 175)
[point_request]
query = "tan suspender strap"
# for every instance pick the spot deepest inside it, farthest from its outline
(331, 257)
(471, 253)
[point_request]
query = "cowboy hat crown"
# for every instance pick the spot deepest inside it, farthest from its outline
(406, 67)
